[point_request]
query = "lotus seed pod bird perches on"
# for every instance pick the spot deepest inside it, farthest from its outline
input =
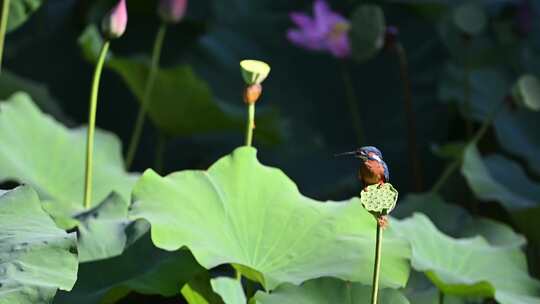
(378, 197)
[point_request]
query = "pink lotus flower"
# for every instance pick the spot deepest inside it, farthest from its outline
(325, 31)
(114, 23)
(172, 11)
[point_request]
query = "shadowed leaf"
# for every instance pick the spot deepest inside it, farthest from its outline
(36, 258)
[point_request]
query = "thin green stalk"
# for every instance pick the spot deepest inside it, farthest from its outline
(479, 134)
(3, 28)
(450, 169)
(149, 86)
(250, 124)
(441, 297)
(92, 125)
(350, 292)
(376, 266)
(467, 104)
(410, 117)
(353, 105)
(467, 91)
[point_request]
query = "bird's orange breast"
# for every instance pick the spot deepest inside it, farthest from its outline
(371, 172)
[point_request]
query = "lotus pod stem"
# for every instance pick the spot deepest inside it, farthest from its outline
(92, 125)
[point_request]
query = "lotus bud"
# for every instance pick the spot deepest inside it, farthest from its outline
(114, 23)
(254, 71)
(172, 11)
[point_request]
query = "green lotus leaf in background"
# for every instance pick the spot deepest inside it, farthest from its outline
(469, 267)
(20, 11)
(496, 178)
(37, 150)
(455, 221)
(327, 291)
(367, 32)
(526, 92)
(11, 84)
(449, 218)
(181, 102)
(470, 18)
(252, 216)
(229, 289)
(516, 130)
(36, 258)
(420, 290)
(199, 291)
(142, 268)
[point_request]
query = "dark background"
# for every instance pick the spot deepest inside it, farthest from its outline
(305, 87)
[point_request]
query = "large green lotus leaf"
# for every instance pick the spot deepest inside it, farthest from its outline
(36, 150)
(469, 267)
(327, 291)
(496, 178)
(142, 268)
(36, 258)
(181, 103)
(254, 217)
(20, 11)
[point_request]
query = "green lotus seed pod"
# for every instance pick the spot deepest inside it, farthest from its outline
(254, 71)
(379, 199)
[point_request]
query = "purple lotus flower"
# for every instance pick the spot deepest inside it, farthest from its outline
(114, 23)
(172, 11)
(325, 31)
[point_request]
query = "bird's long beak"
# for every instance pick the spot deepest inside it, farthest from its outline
(345, 153)
(355, 153)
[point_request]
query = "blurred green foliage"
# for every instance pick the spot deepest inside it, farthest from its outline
(472, 67)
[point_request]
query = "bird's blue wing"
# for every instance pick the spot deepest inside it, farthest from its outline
(386, 172)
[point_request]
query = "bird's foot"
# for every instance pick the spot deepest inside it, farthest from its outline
(380, 185)
(382, 221)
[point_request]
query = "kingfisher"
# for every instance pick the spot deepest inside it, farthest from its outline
(373, 171)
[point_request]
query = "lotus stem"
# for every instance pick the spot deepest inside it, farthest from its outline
(353, 105)
(479, 134)
(149, 86)
(410, 117)
(92, 125)
(250, 124)
(377, 265)
(3, 28)
(441, 297)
